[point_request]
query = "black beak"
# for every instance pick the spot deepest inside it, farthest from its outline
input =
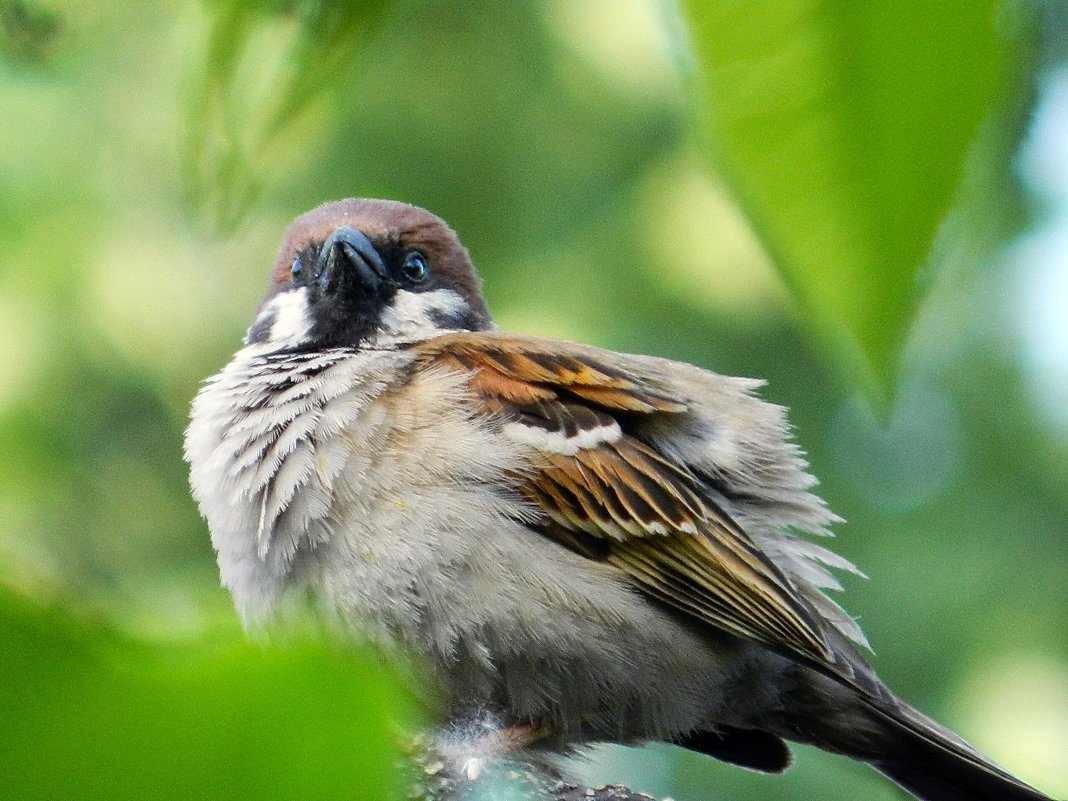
(348, 252)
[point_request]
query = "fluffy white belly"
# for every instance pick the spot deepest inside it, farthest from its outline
(508, 619)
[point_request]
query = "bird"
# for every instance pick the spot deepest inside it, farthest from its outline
(594, 546)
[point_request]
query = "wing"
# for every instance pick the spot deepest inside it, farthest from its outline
(612, 496)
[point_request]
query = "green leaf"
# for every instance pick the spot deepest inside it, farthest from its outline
(266, 63)
(843, 127)
(89, 714)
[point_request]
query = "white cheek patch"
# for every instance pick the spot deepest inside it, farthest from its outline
(283, 321)
(558, 441)
(414, 316)
(292, 321)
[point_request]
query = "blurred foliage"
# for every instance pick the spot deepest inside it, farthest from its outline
(265, 62)
(90, 714)
(27, 33)
(555, 136)
(845, 128)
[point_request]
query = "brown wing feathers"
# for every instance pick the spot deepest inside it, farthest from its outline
(506, 365)
(610, 496)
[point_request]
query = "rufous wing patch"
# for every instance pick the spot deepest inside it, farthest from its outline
(613, 497)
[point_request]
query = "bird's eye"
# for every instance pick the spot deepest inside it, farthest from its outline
(296, 268)
(415, 268)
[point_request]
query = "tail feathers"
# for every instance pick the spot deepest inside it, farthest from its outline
(935, 765)
(946, 777)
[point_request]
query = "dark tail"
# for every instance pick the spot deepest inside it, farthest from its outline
(859, 717)
(935, 765)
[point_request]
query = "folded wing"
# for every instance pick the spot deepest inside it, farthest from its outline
(611, 494)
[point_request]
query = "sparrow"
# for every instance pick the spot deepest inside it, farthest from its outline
(595, 546)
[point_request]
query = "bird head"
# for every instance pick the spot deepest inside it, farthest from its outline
(362, 272)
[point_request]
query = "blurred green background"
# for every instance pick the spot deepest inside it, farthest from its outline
(596, 152)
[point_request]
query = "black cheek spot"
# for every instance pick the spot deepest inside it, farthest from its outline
(460, 320)
(261, 328)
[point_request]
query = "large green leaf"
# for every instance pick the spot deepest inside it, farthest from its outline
(843, 128)
(89, 714)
